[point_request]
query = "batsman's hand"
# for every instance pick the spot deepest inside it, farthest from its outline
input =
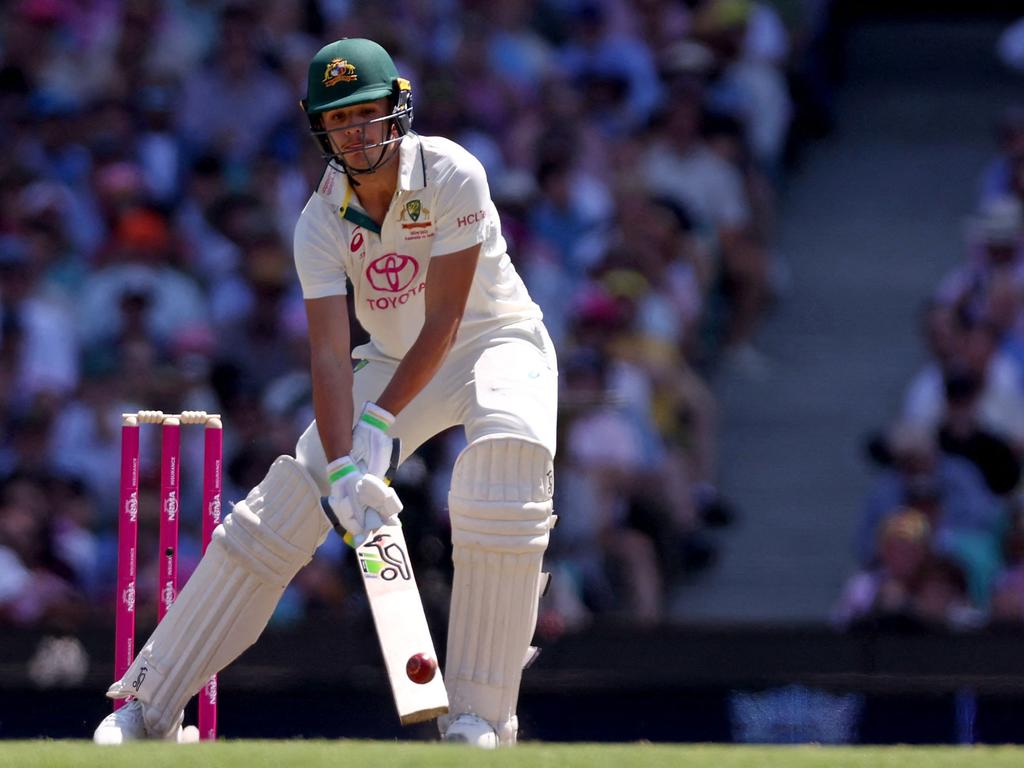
(371, 444)
(361, 503)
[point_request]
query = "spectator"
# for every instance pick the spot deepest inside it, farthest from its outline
(210, 252)
(1008, 595)
(941, 598)
(750, 44)
(909, 585)
(560, 220)
(85, 443)
(948, 489)
(39, 330)
(139, 291)
(36, 585)
(891, 574)
(997, 177)
(160, 156)
(966, 519)
(996, 238)
(961, 434)
(975, 347)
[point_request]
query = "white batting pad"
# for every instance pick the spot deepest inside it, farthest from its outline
(500, 504)
(231, 595)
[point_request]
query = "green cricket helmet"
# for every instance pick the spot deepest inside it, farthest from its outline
(353, 71)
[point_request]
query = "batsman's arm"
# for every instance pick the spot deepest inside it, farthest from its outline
(331, 371)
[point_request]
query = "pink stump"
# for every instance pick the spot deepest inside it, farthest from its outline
(127, 545)
(212, 471)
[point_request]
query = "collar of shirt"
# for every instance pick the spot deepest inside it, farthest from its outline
(412, 166)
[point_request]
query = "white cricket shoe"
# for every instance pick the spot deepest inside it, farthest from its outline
(127, 724)
(471, 730)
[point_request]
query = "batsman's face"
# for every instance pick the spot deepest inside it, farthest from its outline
(354, 130)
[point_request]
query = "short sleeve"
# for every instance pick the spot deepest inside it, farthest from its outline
(318, 253)
(464, 205)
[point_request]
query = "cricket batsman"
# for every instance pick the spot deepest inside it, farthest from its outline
(455, 339)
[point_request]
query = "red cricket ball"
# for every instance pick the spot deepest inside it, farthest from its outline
(421, 668)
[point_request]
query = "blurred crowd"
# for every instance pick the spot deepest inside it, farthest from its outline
(941, 540)
(155, 163)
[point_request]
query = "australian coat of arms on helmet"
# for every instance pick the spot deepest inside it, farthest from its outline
(339, 71)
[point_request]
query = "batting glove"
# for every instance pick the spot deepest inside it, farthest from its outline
(362, 503)
(371, 444)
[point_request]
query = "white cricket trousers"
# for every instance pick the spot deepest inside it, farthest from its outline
(505, 383)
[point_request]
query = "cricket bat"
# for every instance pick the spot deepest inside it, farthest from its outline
(398, 616)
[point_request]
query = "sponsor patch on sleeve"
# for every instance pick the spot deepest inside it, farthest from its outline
(471, 218)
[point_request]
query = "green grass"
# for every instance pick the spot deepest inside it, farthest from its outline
(365, 754)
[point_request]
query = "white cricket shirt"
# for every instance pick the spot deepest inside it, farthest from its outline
(442, 205)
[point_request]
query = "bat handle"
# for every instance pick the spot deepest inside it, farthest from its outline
(396, 455)
(325, 504)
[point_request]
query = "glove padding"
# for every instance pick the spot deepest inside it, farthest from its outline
(362, 503)
(371, 444)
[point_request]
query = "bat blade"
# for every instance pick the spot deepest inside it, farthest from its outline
(401, 624)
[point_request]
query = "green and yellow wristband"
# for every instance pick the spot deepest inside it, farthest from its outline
(373, 421)
(340, 468)
(375, 416)
(336, 470)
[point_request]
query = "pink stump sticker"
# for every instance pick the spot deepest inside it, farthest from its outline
(170, 498)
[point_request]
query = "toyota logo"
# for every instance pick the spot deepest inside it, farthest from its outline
(392, 272)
